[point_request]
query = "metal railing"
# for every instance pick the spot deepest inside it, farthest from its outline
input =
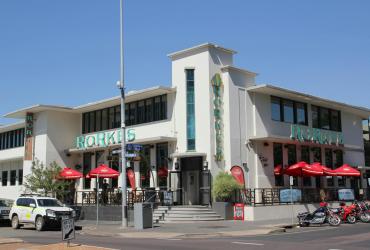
(114, 198)
(276, 196)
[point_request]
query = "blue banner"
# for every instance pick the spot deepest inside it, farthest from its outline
(288, 195)
(346, 194)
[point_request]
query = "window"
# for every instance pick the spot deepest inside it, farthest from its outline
(4, 178)
(316, 154)
(157, 108)
(12, 139)
(305, 156)
(104, 119)
(149, 110)
(22, 202)
(278, 160)
(117, 117)
(13, 177)
(325, 118)
(86, 169)
(301, 113)
(98, 120)
(275, 108)
(111, 118)
(138, 112)
(20, 177)
(132, 113)
(329, 164)
(335, 121)
(190, 109)
(141, 112)
(288, 111)
(162, 161)
(292, 159)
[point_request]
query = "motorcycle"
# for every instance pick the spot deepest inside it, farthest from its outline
(322, 215)
(362, 213)
(346, 213)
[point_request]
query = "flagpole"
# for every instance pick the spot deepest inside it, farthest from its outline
(121, 86)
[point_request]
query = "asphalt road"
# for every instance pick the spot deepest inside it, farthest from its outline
(344, 237)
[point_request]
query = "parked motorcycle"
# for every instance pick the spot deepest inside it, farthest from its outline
(320, 216)
(362, 213)
(346, 213)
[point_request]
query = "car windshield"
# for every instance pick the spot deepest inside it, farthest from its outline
(6, 203)
(49, 203)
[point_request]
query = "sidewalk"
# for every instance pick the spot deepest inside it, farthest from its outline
(186, 230)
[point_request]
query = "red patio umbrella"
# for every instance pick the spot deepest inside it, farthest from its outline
(69, 174)
(278, 170)
(163, 172)
(347, 170)
(302, 169)
(327, 171)
(103, 171)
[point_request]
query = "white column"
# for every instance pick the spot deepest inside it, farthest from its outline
(153, 165)
(137, 174)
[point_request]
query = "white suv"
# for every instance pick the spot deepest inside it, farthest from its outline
(39, 211)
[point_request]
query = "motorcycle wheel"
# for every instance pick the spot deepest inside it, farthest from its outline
(334, 220)
(365, 217)
(351, 219)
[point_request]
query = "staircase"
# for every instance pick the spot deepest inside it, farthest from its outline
(168, 214)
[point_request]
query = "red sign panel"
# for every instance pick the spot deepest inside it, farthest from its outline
(239, 211)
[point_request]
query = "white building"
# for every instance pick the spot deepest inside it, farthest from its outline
(213, 117)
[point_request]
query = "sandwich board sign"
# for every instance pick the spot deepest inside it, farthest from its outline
(68, 229)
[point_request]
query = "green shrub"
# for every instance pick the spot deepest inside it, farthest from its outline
(224, 186)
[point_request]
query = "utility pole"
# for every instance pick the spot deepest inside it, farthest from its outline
(121, 86)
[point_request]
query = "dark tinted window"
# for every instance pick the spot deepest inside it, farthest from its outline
(335, 120)
(288, 113)
(278, 161)
(4, 178)
(12, 139)
(20, 176)
(21, 202)
(324, 118)
(13, 177)
(275, 109)
(315, 116)
(301, 112)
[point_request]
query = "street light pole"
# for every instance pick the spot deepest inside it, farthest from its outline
(121, 86)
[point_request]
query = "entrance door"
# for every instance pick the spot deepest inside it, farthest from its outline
(192, 187)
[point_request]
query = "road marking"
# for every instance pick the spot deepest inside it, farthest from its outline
(247, 243)
(167, 239)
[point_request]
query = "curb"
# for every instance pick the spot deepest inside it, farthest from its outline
(4, 241)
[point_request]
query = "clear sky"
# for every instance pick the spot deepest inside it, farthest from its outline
(66, 52)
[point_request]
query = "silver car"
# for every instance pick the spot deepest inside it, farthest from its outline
(5, 206)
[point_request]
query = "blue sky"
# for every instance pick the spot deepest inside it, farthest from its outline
(66, 52)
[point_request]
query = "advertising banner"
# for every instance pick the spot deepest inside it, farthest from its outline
(239, 211)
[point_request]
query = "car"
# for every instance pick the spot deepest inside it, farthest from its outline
(40, 211)
(5, 205)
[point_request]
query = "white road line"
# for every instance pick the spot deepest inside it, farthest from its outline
(247, 243)
(166, 239)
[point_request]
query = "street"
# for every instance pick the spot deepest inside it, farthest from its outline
(344, 237)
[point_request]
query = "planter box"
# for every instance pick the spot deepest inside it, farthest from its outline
(224, 209)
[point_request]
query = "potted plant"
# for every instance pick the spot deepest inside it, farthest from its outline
(224, 187)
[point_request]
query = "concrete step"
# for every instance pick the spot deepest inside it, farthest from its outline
(191, 212)
(190, 220)
(192, 216)
(190, 209)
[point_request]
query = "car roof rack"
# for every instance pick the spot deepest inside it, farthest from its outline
(31, 194)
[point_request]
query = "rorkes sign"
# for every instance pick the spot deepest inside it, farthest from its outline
(104, 139)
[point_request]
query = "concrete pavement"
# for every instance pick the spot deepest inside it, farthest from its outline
(187, 230)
